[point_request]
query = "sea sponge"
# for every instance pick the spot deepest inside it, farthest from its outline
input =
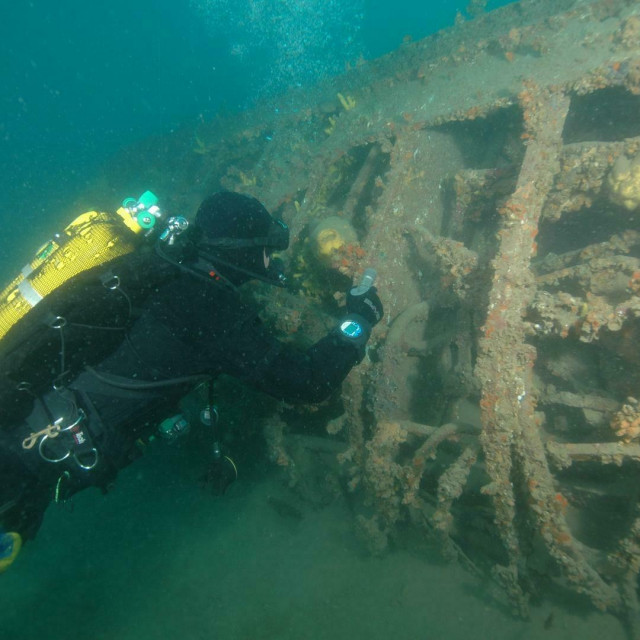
(330, 235)
(626, 423)
(624, 182)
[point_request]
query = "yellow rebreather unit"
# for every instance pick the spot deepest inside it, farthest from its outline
(92, 239)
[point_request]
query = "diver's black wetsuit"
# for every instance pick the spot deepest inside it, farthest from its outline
(191, 327)
(187, 327)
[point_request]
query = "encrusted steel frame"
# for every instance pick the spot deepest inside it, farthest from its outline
(402, 149)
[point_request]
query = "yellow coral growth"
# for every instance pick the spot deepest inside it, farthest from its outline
(247, 181)
(347, 102)
(328, 241)
(332, 126)
(330, 235)
(201, 147)
(624, 182)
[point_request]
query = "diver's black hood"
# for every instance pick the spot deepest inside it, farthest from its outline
(233, 216)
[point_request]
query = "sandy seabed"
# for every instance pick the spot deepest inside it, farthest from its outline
(159, 558)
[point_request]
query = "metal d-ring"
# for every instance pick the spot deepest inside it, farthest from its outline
(77, 421)
(59, 322)
(81, 416)
(112, 283)
(87, 467)
(47, 458)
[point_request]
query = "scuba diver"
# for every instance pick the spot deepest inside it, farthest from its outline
(193, 326)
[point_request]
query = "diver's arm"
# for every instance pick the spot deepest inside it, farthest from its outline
(286, 373)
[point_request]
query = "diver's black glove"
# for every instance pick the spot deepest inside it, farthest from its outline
(363, 312)
(367, 305)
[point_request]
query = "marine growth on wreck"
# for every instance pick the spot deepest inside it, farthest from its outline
(491, 175)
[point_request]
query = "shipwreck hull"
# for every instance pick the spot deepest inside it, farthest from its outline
(478, 170)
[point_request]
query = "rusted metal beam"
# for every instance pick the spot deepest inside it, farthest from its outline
(511, 436)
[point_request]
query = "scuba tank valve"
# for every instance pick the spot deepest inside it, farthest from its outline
(143, 212)
(175, 226)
